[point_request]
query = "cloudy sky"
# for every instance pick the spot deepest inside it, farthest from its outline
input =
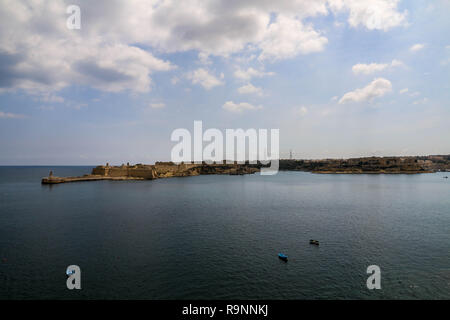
(339, 78)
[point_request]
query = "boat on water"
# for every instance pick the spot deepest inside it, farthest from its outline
(314, 242)
(283, 257)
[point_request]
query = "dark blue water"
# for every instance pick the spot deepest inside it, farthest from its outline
(217, 237)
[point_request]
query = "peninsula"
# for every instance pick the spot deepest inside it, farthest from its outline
(366, 165)
(156, 171)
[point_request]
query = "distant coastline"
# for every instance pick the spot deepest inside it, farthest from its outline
(364, 165)
(371, 165)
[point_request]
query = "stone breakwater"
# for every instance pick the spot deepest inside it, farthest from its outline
(156, 171)
(88, 177)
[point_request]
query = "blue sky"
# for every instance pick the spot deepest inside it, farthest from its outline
(339, 78)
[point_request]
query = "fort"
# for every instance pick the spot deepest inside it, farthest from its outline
(365, 165)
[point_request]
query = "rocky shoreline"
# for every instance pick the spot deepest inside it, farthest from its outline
(157, 171)
(371, 165)
(366, 165)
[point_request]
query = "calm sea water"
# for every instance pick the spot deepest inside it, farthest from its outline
(217, 237)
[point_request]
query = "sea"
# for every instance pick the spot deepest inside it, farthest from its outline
(219, 236)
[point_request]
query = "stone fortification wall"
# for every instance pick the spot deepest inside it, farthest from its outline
(146, 172)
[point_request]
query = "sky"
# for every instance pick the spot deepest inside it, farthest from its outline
(338, 78)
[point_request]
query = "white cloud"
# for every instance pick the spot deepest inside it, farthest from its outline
(326, 112)
(112, 68)
(39, 54)
(52, 98)
(301, 111)
(8, 115)
(417, 47)
(217, 27)
(203, 58)
(251, 73)
(204, 78)
(405, 90)
(287, 37)
(245, 58)
(377, 88)
(421, 101)
(368, 68)
(372, 14)
(157, 105)
(445, 62)
(250, 89)
(239, 107)
(362, 68)
(397, 63)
